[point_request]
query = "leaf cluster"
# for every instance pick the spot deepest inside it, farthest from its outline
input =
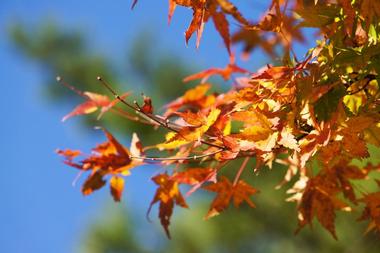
(321, 109)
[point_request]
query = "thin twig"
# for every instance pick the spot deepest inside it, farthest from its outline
(238, 174)
(194, 157)
(130, 117)
(150, 116)
(72, 88)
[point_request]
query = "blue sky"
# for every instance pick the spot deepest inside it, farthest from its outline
(41, 211)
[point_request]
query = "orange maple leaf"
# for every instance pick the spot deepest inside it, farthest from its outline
(108, 158)
(168, 195)
(189, 134)
(93, 103)
(225, 73)
(319, 200)
(202, 11)
(195, 177)
(195, 97)
(372, 211)
(226, 191)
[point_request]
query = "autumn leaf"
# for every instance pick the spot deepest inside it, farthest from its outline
(288, 140)
(319, 200)
(108, 158)
(273, 73)
(353, 139)
(69, 154)
(93, 103)
(252, 39)
(315, 113)
(117, 186)
(314, 141)
(189, 134)
(222, 26)
(192, 97)
(371, 211)
(195, 177)
(225, 73)
(227, 192)
(94, 182)
(369, 10)
(167, 195)
(202, 11)
(172, 6)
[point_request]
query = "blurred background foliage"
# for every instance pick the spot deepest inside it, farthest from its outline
(268, 228)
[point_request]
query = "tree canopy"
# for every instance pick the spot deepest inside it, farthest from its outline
(317, 114)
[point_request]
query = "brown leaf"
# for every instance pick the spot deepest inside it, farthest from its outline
(108, 158)
(319, 200)
(167, 195)
(225, 73)
(93, 182)
(222, 26)
(147, 106)
(226, 192)
(195, 177)
(369, 9)
(117, 186)
(372, 211)
(93, 103)
(190, 134)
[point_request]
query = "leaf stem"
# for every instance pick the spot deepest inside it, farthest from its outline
(238, 174)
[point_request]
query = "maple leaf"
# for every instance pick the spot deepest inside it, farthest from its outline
(312, 142)
(189, 134)
(195, 177)
(168, 195)
(322, 110)
(225, 73)
(202, 11)
(369, 9)
(349, 16)
(172, 6)
(345, 172)
(319, 200)
(69, 154)
(372, 210)
(93, 103)
(252, 39)
(257, 132)
(288, 140)
(353, 139)
(117, 186)
(226, 192)
(192, 97)
(273, 73)
(222, 26)
(108, 158)
(94, 182)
